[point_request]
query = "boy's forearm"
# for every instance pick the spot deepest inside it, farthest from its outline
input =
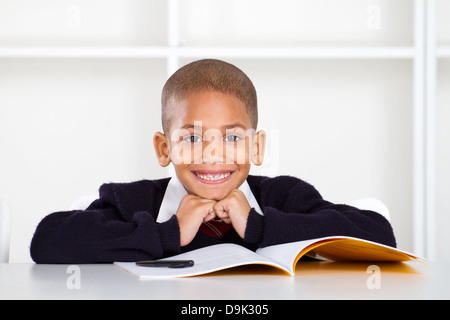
(278, 227)
(93, 237)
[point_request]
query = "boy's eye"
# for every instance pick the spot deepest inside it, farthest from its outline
(192, 139)
(232, 138)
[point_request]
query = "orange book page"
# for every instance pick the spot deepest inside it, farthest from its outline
(355, 250)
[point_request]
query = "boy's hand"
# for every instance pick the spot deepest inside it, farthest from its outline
(192, 212)
(234, 209)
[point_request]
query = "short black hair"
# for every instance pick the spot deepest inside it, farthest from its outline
(208, 75)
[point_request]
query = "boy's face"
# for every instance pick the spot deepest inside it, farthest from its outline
(211, 144)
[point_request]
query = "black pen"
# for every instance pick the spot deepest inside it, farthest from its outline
(166, 263)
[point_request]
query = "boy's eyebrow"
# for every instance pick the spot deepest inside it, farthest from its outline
(228, 126)
(189, 126)
(234, 125)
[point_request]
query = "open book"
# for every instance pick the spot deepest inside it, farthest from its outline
(282, 256)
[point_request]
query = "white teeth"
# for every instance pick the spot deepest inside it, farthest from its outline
(213, 177)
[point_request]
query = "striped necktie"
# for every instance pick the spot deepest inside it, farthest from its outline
(216, 228)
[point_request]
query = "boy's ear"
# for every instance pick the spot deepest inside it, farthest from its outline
(259, 147)
(162, 149)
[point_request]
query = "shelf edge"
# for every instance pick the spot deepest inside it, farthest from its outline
(213, 52)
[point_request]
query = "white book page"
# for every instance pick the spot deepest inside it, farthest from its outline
(286, 253)
(206, 260)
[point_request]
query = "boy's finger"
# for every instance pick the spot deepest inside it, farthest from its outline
(226, 220)
(210, 216)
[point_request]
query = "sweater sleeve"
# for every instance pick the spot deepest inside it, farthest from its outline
(294, 211)
(101, 234)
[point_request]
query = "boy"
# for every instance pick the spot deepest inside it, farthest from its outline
(209, 118)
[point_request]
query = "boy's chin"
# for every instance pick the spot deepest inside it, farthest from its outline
(216, 196)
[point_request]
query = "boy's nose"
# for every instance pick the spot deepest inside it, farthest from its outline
(213, 151)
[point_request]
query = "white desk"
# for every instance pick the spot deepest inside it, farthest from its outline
(314, 280)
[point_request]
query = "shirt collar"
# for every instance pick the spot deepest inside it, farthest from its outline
(175, 192)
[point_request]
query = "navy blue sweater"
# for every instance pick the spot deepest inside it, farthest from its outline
(121, 224)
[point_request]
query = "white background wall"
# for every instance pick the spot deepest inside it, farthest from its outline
(67, 125)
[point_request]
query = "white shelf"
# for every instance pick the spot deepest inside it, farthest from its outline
(300, 52)
(84, 52)
(213, 52)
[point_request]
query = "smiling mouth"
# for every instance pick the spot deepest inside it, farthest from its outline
(212, 177)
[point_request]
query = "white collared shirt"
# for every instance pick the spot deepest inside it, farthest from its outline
(175, 192)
